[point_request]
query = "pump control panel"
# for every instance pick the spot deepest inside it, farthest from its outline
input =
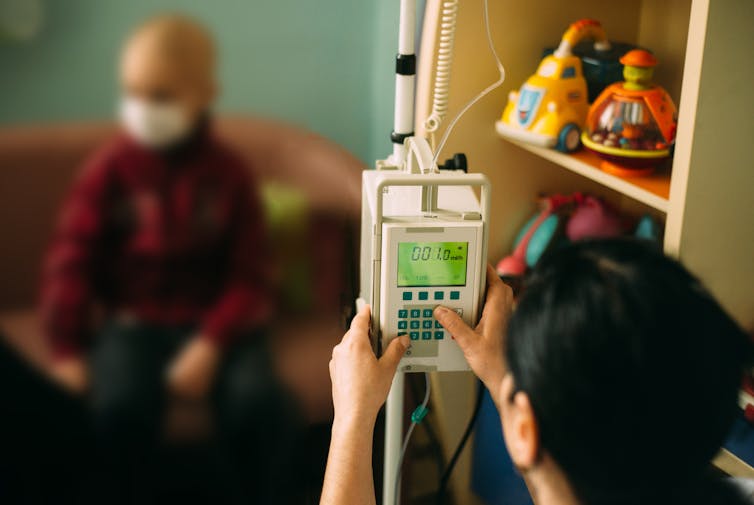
(416, 256)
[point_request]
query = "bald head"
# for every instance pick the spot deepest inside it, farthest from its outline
(170, 57)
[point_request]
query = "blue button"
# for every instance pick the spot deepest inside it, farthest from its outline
(401, 333)
(415, 313)
(423, 295)
(403, 313)
(439, 335)
(439, 295)
(427, 313)
(414, 335)
(437, 324)
(427, 324)
(407, 295)
(455, 295)
(402, 325)
(426, 335)
(414, 325)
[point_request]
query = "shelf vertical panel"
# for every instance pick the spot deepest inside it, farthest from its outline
(714, 222)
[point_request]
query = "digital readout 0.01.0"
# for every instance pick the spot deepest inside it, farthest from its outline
(424, 264)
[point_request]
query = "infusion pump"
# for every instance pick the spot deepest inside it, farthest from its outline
(423, 244)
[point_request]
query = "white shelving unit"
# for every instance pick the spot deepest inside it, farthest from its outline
(705, 199)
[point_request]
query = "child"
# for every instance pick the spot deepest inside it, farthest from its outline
(164, 231)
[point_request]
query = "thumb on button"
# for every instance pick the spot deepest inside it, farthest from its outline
(453, 323)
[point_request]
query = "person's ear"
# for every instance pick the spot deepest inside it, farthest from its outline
(525, 431)
(205, 96)
(202, 96)
(520, 427)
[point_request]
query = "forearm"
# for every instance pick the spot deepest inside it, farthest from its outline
(348, 479)
(73, 258)
(494, 382)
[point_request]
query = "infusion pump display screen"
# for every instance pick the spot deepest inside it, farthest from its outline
(422, 264)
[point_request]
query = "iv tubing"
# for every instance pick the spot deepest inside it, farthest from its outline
(484, 92)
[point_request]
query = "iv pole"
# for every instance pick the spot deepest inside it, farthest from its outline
(403, 127)
(405, 79)
(414, 155)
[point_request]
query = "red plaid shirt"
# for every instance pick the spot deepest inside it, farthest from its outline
(175, 239)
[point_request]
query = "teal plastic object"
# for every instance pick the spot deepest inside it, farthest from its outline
(525, 230)
(541, 239)
(419, 414)
(648, 229)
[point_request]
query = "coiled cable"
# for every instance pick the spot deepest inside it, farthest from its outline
(443, 66)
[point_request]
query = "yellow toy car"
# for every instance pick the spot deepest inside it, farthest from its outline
(550, 109)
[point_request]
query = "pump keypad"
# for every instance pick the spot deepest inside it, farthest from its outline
(416, 319)
(420, 319)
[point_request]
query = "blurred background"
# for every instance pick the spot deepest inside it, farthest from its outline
(326, 65)
(306, 100)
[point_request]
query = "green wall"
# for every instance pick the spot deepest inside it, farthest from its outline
(324, 64)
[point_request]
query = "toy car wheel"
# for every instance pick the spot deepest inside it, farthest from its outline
(569, 138)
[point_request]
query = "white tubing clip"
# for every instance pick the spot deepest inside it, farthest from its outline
(419, 157)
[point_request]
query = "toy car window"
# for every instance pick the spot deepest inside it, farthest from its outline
(569, 72)
(547, 69)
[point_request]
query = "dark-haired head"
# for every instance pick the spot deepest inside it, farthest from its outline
(631, 369)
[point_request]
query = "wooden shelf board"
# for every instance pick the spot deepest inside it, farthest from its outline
(733, 465)
(652, 190)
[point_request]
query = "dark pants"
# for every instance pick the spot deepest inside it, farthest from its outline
(254, 423)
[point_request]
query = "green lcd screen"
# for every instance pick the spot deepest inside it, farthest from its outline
(422, 264)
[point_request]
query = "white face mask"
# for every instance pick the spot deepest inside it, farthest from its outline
(155, 125)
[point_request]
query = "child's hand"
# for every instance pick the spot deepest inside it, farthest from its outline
(72, 373)
(192, 371)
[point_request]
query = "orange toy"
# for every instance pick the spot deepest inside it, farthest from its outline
(632, 124)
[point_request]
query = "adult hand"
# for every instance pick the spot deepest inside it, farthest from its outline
(72, 373)
(484, 346)
(192, 371)
(360, 381)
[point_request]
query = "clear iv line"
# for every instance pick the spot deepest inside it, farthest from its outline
(483, 93)
(422, 409)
